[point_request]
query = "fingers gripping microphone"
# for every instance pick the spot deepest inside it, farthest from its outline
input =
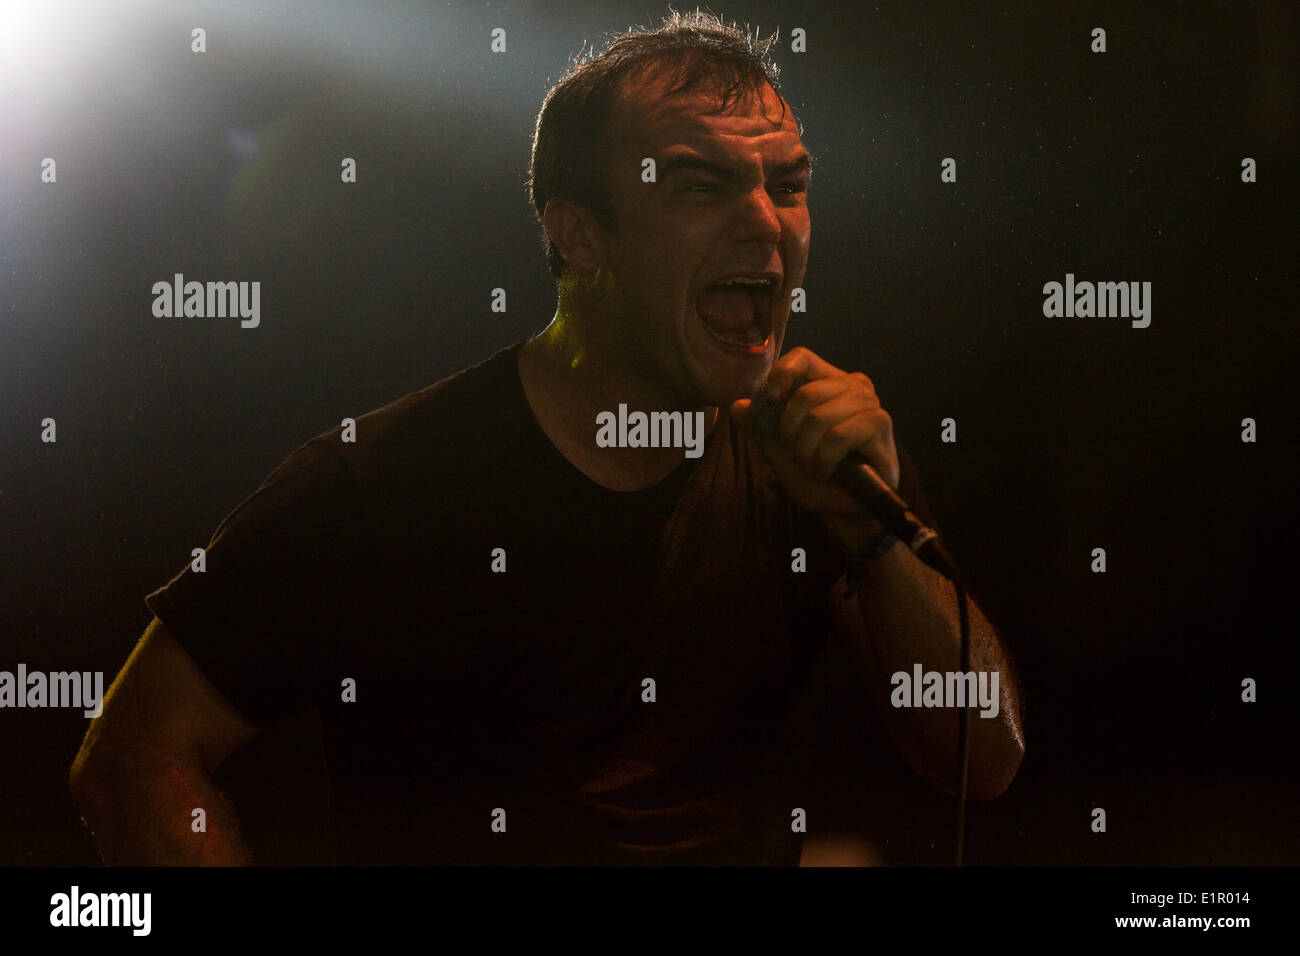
(860, 480)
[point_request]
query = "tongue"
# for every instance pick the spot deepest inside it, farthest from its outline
(727, 309)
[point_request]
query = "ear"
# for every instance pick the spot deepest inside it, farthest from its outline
(576, 233)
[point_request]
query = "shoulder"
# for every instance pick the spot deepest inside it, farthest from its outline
(454, 402)
(418, 452)
(448, 420)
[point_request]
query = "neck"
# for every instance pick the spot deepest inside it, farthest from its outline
(570, 375)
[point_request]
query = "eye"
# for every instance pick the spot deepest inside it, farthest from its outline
(691, 187)
(792, 187)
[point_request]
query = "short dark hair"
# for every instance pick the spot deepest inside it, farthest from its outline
(570, 142)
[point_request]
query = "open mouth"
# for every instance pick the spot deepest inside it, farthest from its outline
(738, 312)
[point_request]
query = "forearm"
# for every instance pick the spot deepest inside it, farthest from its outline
(147, 816)
(908, 617)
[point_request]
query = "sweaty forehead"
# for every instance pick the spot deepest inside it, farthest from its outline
(649, 116)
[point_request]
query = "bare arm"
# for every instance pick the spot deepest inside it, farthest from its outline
(146, 762)
(913, 615)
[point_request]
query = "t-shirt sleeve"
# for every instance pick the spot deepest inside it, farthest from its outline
(260, 621)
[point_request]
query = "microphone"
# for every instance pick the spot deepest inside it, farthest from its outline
(856, 476)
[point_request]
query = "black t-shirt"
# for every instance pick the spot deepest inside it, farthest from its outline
(480, 715)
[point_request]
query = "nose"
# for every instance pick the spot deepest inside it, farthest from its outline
(758, 221)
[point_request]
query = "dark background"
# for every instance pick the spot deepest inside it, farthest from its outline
(1072, 433)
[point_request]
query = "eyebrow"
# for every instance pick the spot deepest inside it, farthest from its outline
(686, 161)
(801, 163)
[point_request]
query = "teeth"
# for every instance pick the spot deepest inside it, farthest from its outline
(751, 336)
(746, 281)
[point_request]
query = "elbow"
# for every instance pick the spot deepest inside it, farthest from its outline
(84, 777)
(95, 778)
(79, 774)
(997, 772)
(992, 767)
(996, 753)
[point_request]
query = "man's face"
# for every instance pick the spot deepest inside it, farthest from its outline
(729, 200)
